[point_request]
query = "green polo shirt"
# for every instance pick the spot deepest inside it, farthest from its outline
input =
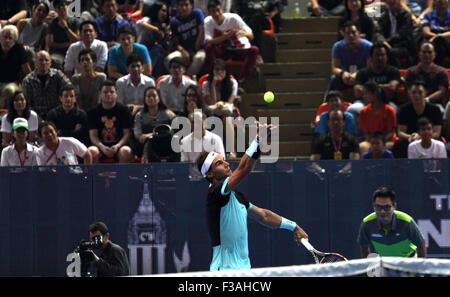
(401, 241)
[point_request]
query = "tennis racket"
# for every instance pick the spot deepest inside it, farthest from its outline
(326, 257)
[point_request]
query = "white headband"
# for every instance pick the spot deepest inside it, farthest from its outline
(207, 164)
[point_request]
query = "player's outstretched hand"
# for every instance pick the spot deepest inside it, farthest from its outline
(264, 130)
(299, 234)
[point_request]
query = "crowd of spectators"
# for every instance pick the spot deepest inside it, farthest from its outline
(111, 75)
(390, 71)
(115, 75)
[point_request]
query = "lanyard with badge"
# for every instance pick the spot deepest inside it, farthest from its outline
(22, 161)
(337, 149)
(52, 154)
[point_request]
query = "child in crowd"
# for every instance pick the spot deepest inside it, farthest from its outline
(377, 148)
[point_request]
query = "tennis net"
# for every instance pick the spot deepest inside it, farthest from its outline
(370, 267)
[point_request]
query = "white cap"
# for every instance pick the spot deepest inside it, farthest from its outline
(20, 123)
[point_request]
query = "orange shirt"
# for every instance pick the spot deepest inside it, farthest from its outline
(383, 121)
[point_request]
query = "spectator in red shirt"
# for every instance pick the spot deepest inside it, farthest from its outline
(376, 116)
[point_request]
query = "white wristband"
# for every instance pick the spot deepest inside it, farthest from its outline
(252, 148)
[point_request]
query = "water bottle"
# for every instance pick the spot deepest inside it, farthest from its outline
(297, 9)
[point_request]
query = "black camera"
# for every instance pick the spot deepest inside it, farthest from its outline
(95, 243)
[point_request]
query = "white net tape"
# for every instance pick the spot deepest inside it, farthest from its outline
(372, 267)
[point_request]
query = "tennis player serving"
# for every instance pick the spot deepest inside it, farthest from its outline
(227, 209)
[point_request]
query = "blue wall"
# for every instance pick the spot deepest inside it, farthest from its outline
(45, 211)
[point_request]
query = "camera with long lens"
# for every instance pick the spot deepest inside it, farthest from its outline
(86, 256)
(95, 243)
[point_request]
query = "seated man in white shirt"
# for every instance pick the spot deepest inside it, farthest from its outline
(173, 87)
(88, 39)
(199, 139)
(426, 147)
(60, 150)
(131, 87)
(227, 36)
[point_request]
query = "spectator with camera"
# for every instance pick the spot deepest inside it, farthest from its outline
(153, 114)
(112, 260)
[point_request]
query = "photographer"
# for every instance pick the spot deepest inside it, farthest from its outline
(113, 260)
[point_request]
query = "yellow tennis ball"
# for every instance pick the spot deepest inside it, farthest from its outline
(269, 96)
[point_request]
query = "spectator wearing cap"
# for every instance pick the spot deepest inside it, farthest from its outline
(20, 152)
(173, 87)
(63, 31)
(109, 23)
(60, 150)
(119, 53)
(88, 35)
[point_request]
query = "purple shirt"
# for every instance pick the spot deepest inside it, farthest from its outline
(357, 57)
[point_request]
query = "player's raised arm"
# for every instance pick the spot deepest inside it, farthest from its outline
(249, 159)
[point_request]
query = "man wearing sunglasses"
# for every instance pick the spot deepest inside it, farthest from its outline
(389, 232)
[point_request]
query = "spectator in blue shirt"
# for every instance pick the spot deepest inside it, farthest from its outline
(109, 23)
(188, 36)
(118, 54)
(348, 56)
(349, 125)
(335, 100)
(436, 29)
(377, 148)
